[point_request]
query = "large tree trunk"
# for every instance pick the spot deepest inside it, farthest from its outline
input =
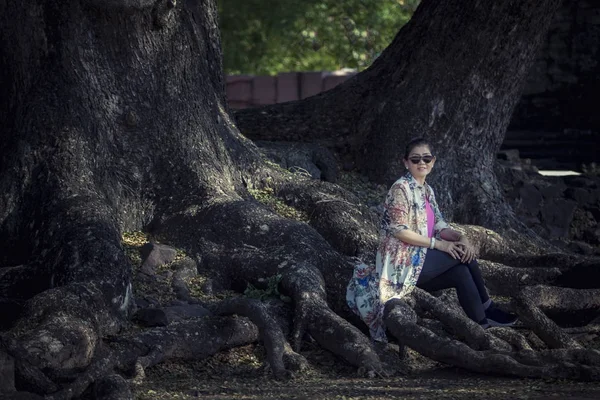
(453, 74)
(115, 120)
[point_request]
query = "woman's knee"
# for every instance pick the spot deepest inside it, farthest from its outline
(460, 273)
(474, 266)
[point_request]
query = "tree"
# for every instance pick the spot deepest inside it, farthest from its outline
(453, 81)
(115, 120)
(267, 37)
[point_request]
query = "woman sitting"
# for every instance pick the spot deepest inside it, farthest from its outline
(417, 248)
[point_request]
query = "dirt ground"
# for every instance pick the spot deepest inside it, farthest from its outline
(239, 374)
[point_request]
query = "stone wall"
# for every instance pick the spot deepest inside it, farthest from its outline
(564, 84)
(248, 90)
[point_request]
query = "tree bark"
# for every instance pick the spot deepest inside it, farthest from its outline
(92, 147)
(115, 120)
(453, 74)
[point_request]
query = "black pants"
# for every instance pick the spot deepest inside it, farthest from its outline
(441, 271)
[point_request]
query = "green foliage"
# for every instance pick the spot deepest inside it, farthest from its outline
(271, 290)
(271, 36)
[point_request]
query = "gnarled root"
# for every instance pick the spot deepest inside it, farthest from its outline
(271, 334)
(308, 266)
(539, 323)
(401, 320)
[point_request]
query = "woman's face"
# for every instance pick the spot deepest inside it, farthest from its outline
(421, 154)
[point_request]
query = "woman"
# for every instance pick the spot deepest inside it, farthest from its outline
(417, 248)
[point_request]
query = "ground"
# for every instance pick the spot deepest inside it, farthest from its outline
(239, 373)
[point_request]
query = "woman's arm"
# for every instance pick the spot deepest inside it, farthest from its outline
(469, 253)
(413, 238)
(450, 235)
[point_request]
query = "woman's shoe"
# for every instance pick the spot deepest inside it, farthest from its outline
(484, 323)
(497, 317)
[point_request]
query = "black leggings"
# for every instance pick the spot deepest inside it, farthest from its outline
(441, 271)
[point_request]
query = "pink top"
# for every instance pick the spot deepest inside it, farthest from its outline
(430, 218)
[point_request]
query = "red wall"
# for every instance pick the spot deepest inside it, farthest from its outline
(249, 90)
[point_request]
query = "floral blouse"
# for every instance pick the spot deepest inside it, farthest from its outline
(397, 264)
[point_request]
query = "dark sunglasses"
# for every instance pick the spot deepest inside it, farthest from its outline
(417, 159)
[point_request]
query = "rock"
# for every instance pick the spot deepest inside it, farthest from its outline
(557, 215)
(531, 199)
(7, 373)
(154, 255)
(552, 191)
(185, 268)
(581, 196)
(150, 317)
(180, 288)
(581, 181)
(210, 287)
(510, 155)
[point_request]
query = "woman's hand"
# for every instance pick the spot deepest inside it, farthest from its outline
(469, 253)
(455, 249)
(469, 250)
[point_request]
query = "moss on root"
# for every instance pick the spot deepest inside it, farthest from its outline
(267, 197)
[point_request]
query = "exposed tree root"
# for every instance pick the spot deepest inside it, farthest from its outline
(273, 338)
(336, 214)
(554, 298)
(264, 245)
(401, 320)
(189, 340)
(308, 266)
(454, 320)
(507, 280)
(512, 337)
(544, 327)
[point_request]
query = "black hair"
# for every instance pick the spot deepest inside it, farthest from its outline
(414, 143)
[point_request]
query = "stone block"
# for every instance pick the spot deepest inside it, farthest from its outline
(311, 83)
(288, 87)
(154, 255)
(7, 373)
(239, 88)
(531, 199)
(264, 90)
(185, 268)
(557, 216)
(331, 81)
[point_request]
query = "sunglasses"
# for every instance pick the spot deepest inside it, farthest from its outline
(417, 159)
